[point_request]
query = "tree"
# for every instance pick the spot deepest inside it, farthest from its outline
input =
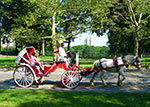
(98, 12)
(1, 14)
(93, 18)
(78, 16)
(26, 21)
(67, 11)
(136, 16)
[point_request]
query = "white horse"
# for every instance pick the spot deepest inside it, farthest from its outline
(117, 65)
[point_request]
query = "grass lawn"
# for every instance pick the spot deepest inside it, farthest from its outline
(7, 59)
(6, 62)
(46, 57)
(146, 58)
(42, 98)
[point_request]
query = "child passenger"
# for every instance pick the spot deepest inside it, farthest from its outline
(36, 61)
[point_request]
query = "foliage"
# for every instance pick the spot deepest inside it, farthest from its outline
(9, 49)
(98, 16)
(129, 20)
(91, 51)
(28, 22)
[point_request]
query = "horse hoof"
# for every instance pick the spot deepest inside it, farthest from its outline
(118, 84)
(105, 85)
(92, 84)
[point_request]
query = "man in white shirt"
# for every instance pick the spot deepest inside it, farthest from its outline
(62, 52)
(63, 55)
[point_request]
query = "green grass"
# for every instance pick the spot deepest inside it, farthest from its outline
(146, 58)
(7, 59)
(46, 57)
(86, 63)
(7, 62)
(145, 63)
(88, 59)
(42, 98)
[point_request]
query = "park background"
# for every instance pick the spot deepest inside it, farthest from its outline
(83, 26)
(44, 23)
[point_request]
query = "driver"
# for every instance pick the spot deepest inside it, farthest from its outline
(63, 55)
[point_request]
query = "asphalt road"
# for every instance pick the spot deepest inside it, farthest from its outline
(136, 81)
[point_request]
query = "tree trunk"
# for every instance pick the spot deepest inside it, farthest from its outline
(136, 50)
(140, 49)
(43, 47)
(7, 49)
(40, 48)
(16, 46)
(54, 35)
(21, 46)
(0, 43)
(112, 44)
(69, 42)
(136, 46)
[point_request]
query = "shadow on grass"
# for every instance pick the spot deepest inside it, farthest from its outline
(39, 98)
(61, 98)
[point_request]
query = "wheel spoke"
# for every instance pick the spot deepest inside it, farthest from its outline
(73, 77)
(21, 82)
(23, 76)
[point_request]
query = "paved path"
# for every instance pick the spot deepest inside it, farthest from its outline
(136, 81)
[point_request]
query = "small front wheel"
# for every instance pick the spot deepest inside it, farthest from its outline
(70, 79)
(23, 76)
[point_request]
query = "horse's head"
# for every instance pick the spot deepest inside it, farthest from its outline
(136, 63)
(133, 60)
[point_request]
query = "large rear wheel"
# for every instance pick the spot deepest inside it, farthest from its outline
(70, 79)
(23, 76)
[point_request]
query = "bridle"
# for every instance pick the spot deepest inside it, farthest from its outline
(137, 62)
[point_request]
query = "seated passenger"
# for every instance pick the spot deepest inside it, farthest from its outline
(37, 63)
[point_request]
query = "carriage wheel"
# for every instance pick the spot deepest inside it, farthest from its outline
(23, 76)
(70, 79)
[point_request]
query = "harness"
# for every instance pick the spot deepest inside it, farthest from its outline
(115, 61)
(99, 65)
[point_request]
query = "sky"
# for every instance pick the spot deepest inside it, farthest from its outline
(95, 40)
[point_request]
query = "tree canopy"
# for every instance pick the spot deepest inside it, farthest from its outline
(29, 22)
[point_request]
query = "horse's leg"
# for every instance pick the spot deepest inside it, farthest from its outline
(118, 79)
(94, 75)
(93, 66)
(121, 72)
(101, 76)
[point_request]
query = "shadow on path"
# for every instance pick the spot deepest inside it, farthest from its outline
(83, 87)
(135, 82)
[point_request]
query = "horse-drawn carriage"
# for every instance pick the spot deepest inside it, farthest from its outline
(27, 73)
